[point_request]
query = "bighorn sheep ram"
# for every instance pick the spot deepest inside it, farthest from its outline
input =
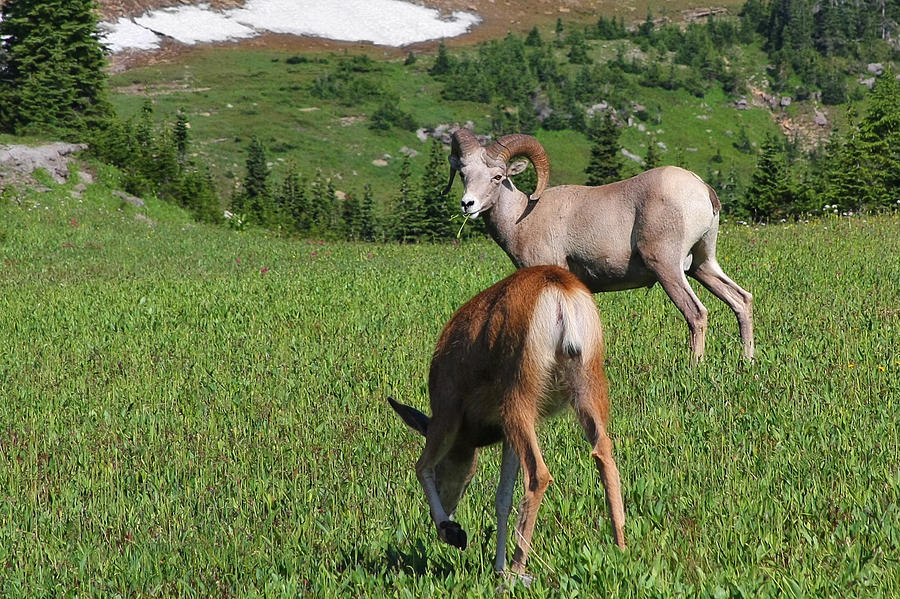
(515, 352)
(657, 226)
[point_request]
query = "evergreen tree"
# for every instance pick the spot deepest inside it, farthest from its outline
(559, 30)
(294, 202)
(367, 224)
(436, 221)
(651, 160)
(769, 194)
(534, 38)
(352, 217)
(443, 64)
(578, 49)
(852, 178)
(52, 73)
(196, 191)
(180, 135)
(256, 202)
(408, 209)
(880, 137)
(606, 161)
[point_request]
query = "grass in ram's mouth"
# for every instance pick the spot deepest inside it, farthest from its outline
(191, 411)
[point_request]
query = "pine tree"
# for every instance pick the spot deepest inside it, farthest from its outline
(606, 161)
(651, 160)
(352, 217)
(180, 135)
(534, 38)
(443, 64)
(294, 202)
(769, 193)
(578, 49)
(53, 77)
(256, 202)
(880, 137)
(367, 224)
(408, 210)
(436, 221)
(195, 191)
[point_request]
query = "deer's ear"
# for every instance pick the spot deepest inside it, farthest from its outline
(413, 418)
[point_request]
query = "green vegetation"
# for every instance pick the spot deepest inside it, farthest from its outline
(50, 68)
(194, 411)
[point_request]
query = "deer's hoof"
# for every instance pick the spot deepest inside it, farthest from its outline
(452, 534)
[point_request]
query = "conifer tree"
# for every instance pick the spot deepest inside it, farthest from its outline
(880, 137)
(52, 73)
(606, 161)
(578, 49)
(196, 191)
(408, 209)
(436, 221)
(534, 38)
(352, 217)
(443, 64)
(256, 202)
(769, 193)
(180, 135)
(651, 160)
(367, 222)
(294, 202)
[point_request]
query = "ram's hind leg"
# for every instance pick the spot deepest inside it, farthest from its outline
(711, 276)
(676, 286)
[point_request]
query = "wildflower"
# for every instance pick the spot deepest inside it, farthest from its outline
(263, 270)
(851, 365)
(881, 368)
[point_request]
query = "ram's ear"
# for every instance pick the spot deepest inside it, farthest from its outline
(516, 168)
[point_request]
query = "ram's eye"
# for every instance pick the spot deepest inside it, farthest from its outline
(498, 177)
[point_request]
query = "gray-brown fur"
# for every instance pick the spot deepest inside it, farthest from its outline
(659, 226)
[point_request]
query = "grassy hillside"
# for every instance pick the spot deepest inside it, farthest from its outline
(232, 94)
(190, 411)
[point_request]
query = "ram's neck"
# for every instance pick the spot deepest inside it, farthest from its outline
(504, 222)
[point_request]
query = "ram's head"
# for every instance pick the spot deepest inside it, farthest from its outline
(485, 170)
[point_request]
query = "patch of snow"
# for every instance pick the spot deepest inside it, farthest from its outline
(382, 22)
(194, 24)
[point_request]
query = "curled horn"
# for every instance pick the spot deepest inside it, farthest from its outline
(462, 142)
(509, 146)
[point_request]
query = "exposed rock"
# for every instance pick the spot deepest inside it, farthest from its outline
(129, 199)
(380, 162)
(741, 104)
(785, 101)
(409, 152)
(876, 68)
(53, 158)
(143, 218)
(632, 156)
(820, 119)
(869, 82)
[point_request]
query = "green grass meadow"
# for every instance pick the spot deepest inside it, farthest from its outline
(191, 411)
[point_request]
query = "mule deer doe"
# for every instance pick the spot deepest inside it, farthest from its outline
(516, 352)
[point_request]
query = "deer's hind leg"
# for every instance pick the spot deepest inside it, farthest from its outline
(522, 437)
(591, 403)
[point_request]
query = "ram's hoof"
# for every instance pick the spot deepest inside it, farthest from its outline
(452, 534)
